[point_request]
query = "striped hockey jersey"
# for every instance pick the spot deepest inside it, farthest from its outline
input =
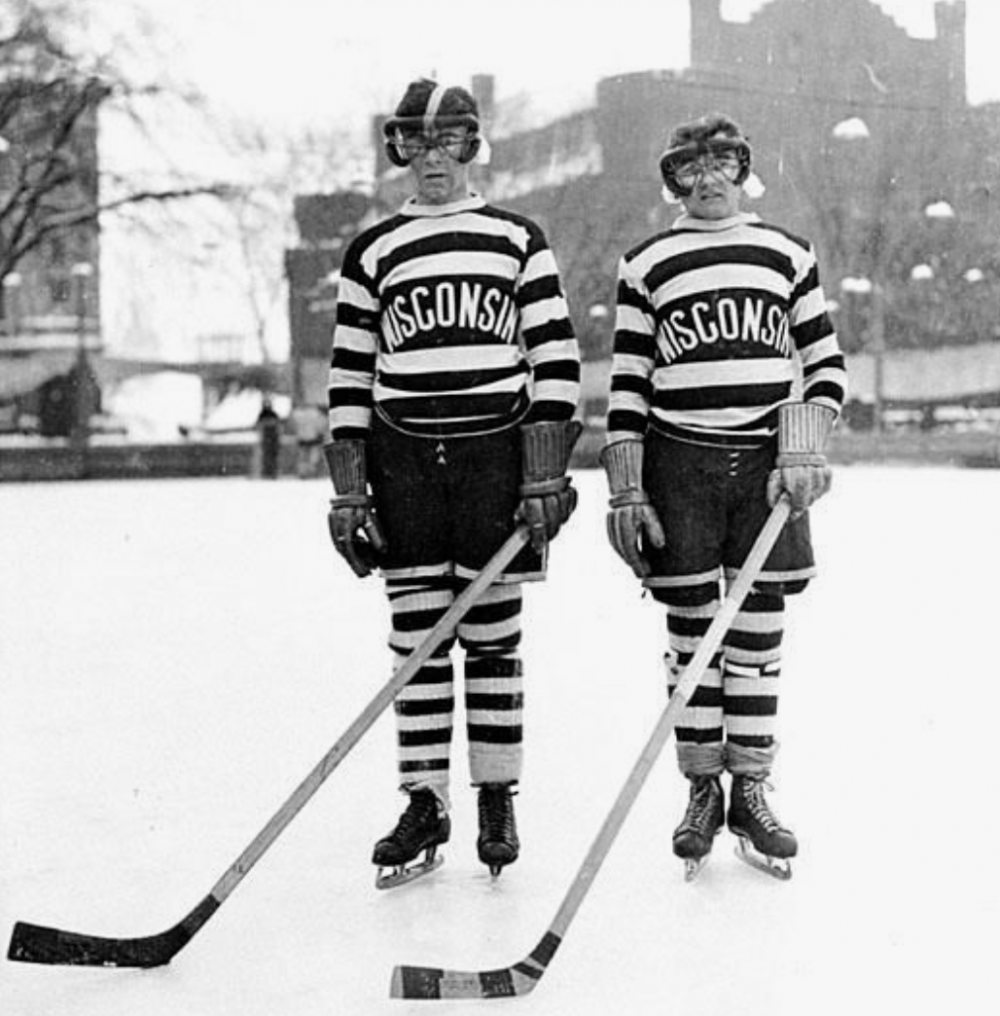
(451, 320)
(718, 323)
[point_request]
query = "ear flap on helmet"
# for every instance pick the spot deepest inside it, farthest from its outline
(394, 155)
(471, 148)
(393, 135)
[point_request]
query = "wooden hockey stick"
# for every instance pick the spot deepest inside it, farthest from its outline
(32, 943)
(522, 977)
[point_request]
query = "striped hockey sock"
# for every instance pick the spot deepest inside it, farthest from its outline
(425, 707)
(699, 730)
(494, 694)
(751, 668)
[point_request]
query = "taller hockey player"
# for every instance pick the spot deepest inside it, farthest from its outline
(726, 380)
(454, 379)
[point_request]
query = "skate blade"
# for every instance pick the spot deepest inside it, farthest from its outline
(401, 874)
(693, 867)
(777, 867)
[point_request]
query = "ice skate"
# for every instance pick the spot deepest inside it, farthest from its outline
(701, 823)
(424, 826)
(498, 844)
(763, 842)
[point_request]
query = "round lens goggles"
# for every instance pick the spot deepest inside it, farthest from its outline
(413, 146)
(689, 173)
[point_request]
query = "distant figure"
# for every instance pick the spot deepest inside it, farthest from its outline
(269, 435)
(310, 423)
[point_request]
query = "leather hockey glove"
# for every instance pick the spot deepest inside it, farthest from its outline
(632, 520)
(548, 498)
(801, 468)
(353, 526)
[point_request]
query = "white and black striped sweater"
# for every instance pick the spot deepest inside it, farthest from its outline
(718, 322)
(451, 320)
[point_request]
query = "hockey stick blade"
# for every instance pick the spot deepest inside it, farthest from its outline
(34, 943)
(520, 979)
(431, 982)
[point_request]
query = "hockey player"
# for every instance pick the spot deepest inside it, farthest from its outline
(454, 379)
(726, 380)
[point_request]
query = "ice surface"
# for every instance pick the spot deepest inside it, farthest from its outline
(175, 656)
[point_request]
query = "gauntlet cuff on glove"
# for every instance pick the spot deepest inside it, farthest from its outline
(347, 462)
(622, 462)
(803, 430)
(546, 448)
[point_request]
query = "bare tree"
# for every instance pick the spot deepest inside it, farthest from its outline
(51, 94)
(253, 225)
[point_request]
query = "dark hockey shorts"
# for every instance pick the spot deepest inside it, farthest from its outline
(447, 501)
(712, 502)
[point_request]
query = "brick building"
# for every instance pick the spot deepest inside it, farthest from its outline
(793, 75)
(49, 295)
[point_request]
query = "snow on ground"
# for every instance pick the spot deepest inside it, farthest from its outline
(175, 656)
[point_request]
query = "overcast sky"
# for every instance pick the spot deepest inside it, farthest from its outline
(347, 59)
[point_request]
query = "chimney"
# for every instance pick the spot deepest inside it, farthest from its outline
(483, 88)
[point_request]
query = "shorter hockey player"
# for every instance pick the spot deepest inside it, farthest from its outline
(453, 383)
(726, 380)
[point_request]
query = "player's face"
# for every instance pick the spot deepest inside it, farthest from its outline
(440, 177)
(713, 195)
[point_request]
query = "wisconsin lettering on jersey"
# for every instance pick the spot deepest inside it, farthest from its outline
(691, 325)
(451, 321)
(434, 312)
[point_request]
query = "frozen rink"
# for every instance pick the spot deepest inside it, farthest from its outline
(175, 656)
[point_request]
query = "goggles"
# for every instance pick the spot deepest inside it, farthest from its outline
(409, 137)
(413, 146)
(683, 167)
(688, 174)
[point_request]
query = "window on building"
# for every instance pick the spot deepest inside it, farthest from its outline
(57, 250)
(59, 289)
(795, 49)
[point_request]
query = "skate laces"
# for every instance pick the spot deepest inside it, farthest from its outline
(422, 807)
(753, 794)
(699, 808)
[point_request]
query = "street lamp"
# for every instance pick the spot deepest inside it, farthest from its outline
(12, 305)
(80, 432)
(592, 342)
(854, 131)
(861, 286)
